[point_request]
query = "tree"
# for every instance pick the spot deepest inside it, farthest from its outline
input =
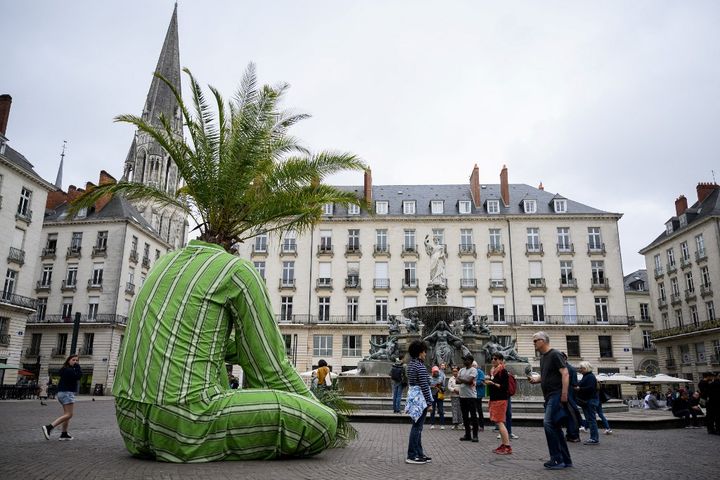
(243, 173)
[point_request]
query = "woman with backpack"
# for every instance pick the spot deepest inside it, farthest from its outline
(498, 387)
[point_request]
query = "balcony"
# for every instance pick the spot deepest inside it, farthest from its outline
(700, 256)
(671, 268)
(689, 295)
(353, 250)
(324, 251)
(130, 288)
(706, 290)
(468, 284)
(467, 249)
(259, 250)
(685, 263)
(410, 285)
(675, 299)
(573, 321)
(4, 340)
(534, 249)
(352, 283)
(686, 329)
(68, 286)
(565, 249)
(670, 364)
(105, 318)
(94, 285)
(324, 284)
(13, 300)
(133, 256)
(599, 283)
(409, 251)
(596, 249)
(25, 216)
(16, 256)
(381, 284)
(73, 252)
(496, 250)
(42, 286)
(31, 352)
(662, 303)
(659, 272)
(568, 283)
(497, 284)
(536, 284)
(288, 249)
(99, 251)
(287, 283)
(145, 262)
(331, 319)
(381, 250)
(48, 254)
(58, 352)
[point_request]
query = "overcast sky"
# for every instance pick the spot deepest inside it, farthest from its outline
(614, 104)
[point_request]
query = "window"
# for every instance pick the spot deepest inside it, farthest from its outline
(381, 309)
(570, 310)
(76, 242)
(689, 282)
(464, 207)
(597, 269)
(146, 252)
(647, 340)
(352, 345)
(97, 274)
(670, 254)
(573, 345)
(665, 320)
(658, 265)
(437, 207)
(353, 272)
(352, 309)
(530, 206)
(381, 208)
(71, 276)
(495, 239)
(605, 343)
(497, 275)
(35, 342)
(674, 287)
(601, 309)
(499, 309)
(134, 244)
(710, 309)
(289, 244)
(493, 206)
(679, 318)
(353, 240)
(533, 239)
(536, 275)
(10, 282)
(322, 345)
(353, 209)
(409, 276)
(93, 305)
(468, 272)
(685, 354)
(700, 246)
(566, 272)
(538, 308)
(409, 302)
(101, 241)
(705, 277)
(326, 240)
(409, 207)
(67, 306)
(23, 209)
(323, 309)
(46, 278)
(694, 318)
(563, 239)
(438, 235)
(410, 243)
(467, 302)
(594, 238)
(286, 308)
(700, 353)
(716, 349)
(131, 275)
(381, 244)
(51, 244)
(645, 312)
(260, 267)
(685, 251)
(327, 209)
(661, 291)
(288, 274)
(261, 243)
(157, 254)
(61, 345)
(41, 308)
(560, 205)
(466, 238)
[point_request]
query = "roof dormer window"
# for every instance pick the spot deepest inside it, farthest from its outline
(560, 205)
(353, 209)
(530, 206)
(464, 207)
(328, 209)
(381, 208)
(408, 207)
(493, 206)
(683, 220)
(669, 227)
(436, 207)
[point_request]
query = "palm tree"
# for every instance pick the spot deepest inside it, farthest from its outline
(243, 173)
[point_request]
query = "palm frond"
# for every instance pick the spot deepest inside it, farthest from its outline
(331, 397)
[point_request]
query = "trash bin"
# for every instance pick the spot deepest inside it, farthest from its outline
(99, 390)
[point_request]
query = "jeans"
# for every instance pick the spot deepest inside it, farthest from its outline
(397, 390)
(555, 414)
(600, 413)
(469, 413)
(481, 416)
(415, 449)
(590, 410)
(508, 416)
(439, 406)
(574, 417)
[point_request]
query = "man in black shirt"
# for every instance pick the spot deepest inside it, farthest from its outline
(555, 383)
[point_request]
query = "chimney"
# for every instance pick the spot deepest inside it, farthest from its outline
(541, 187)
(5, 102)
(475, 186)
(705, 189)
(74, 192)
(680, 205)
(367, 188)
(105, 179)
(504, 187)
(55, 199)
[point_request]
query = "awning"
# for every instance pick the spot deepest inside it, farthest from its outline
(26, 373)
(616, 379)
(5, 366)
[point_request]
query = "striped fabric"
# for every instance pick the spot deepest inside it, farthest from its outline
(171, 387)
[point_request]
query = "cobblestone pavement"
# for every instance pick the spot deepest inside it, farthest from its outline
(98, 452)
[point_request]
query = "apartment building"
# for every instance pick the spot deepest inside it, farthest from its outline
(685, 264)
(524, 258)
(638, 304)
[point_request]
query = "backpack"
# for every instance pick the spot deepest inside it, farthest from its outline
(512, 384)
(396, 373)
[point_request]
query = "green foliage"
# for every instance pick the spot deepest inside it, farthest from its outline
(243, 173)
(330, 397)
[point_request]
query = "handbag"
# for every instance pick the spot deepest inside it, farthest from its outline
(440, 395)
(328, 380)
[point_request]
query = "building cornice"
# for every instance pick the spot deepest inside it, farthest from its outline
(38, 180)
(89, 222)
(678, 233)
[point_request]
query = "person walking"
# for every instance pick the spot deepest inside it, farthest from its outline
(396, 375)
(555, 382)
(70, 374)
(587, 396)
(418, 401)
(437, 388)
(498, 387)
(454, 389)
(468, 398)
(323, 372)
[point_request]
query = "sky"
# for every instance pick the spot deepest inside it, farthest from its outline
(614, 104)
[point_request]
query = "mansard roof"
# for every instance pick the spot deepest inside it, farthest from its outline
(452, 194)
(632, 280)
(118, 208)
(19, 161)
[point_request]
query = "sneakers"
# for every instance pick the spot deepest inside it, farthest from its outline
(442, 427)
(554, 465)
(432, 427)
(475, 439)
(416, 461)
(608, 431)
(465, 439)
(427, 459)
(513, 436)
(573, 440)
(503, 450)
(65, 436)
(454, 427)
(46, 431)
(591, 442)
(583, 429)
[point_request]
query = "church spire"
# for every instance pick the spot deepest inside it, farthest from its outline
(58, 179)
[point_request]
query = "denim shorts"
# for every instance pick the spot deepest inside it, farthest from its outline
(66, 398)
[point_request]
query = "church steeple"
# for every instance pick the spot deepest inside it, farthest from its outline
(58, 179)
